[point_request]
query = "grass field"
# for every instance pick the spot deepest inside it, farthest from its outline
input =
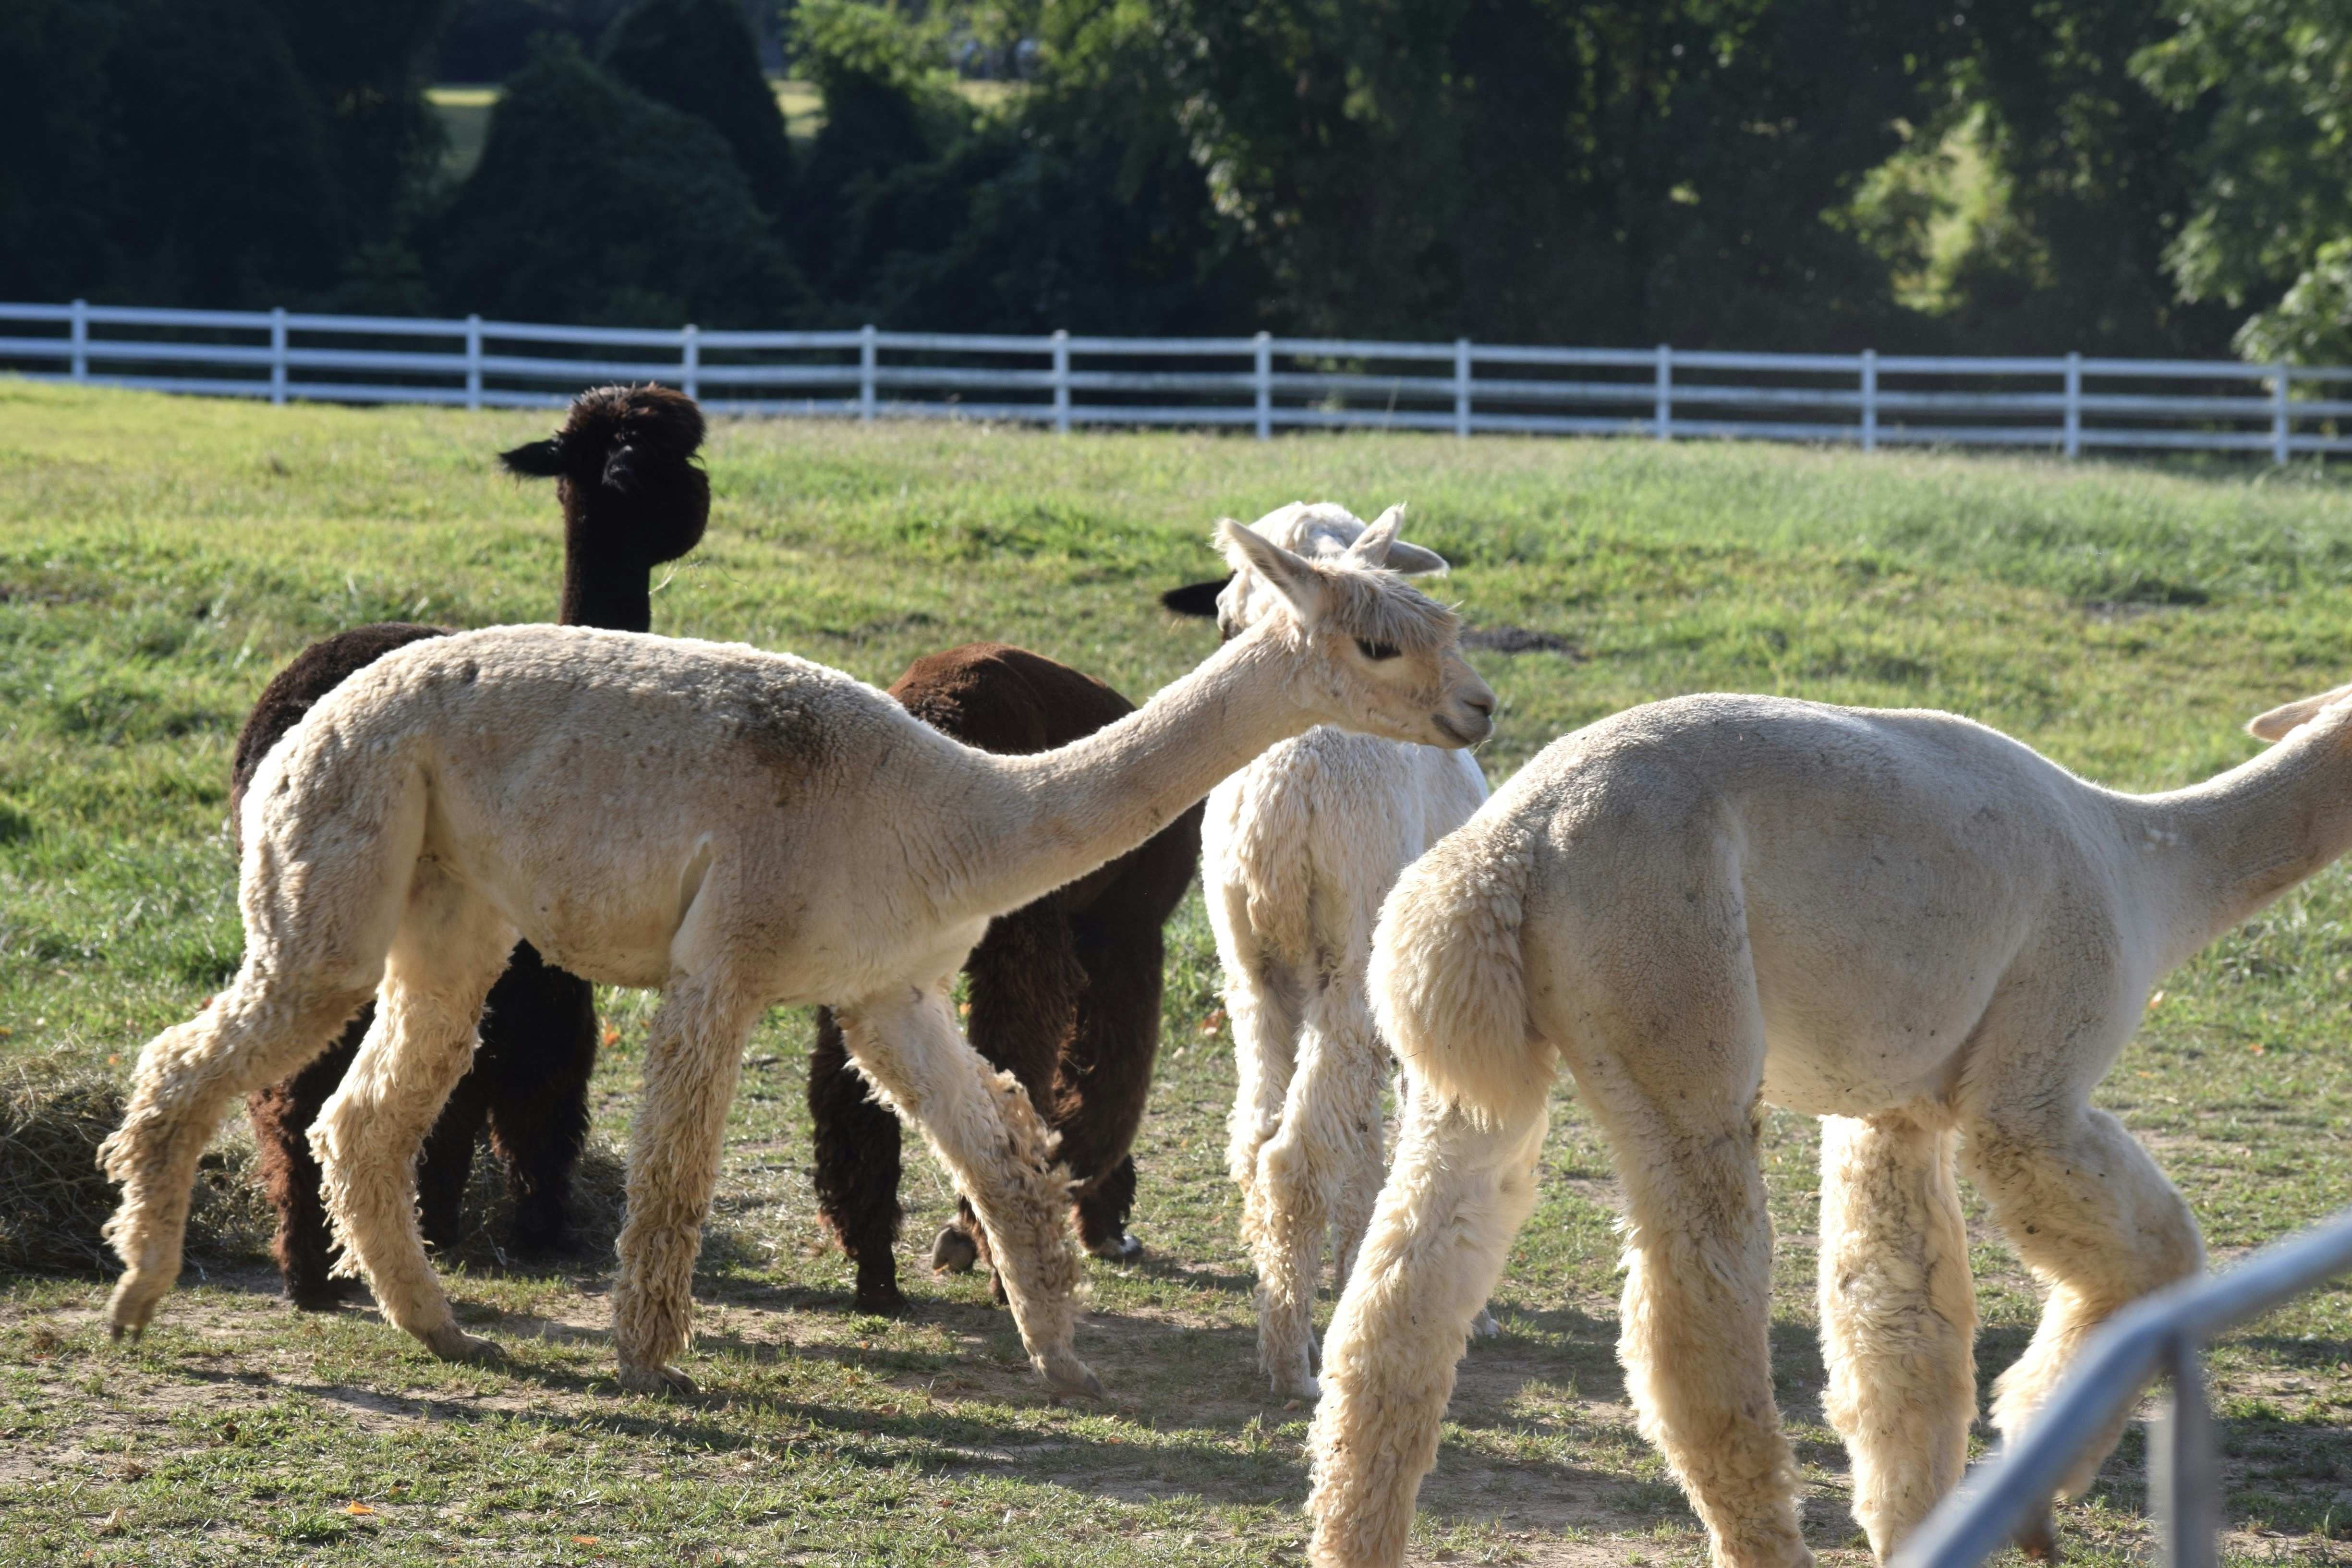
(159, 559)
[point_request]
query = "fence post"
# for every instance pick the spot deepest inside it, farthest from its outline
(474, 362)
(2073, 406)
(278, 355)
(81, 340)
(1061, 381)
(1666, 423)
(689, 361)
(2182, 1469)
(1264, 373)
(1462, 388)
(2280, 450)
(1870, 400)
(866, 353)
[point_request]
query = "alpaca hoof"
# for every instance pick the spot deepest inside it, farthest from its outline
(1119, 1248)
(954, 1252)
(134, 1303)
(1068, 1377)
(451, 1342)
(1302, 1387)
(885, 1301)
(2038, 1538)
(657, 1379)
(1484, 1326)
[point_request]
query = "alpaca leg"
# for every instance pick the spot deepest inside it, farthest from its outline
(446, 1162)
(1898, 1316)
(1265, 1005)
(856, 1171)
(538, 1052)
(1331, 1137)
(691, 1061)
(1695, 1344)
(281, 1115)
(1024, 982)
(1457, 1193)
(1106, 1074)
(450, 946)
(2097, 1222)
(265, 1025)
(984, 1129)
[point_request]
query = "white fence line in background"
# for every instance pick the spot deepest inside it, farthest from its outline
(2067, 404)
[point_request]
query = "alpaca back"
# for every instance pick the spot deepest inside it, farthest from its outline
(1313, 834)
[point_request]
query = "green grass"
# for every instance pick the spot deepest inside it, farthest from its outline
(159, 559)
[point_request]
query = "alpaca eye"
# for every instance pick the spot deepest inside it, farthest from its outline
(1376, 651)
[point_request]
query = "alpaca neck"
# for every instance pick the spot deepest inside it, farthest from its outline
(1080, 806)
(2231, 845)
(603, 585)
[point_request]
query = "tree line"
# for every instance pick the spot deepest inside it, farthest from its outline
(1968, 175)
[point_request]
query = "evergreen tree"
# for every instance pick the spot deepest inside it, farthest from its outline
(699, 57)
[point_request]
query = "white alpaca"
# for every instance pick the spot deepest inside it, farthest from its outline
(740, 830)
(1901, 922)
(1297, 850)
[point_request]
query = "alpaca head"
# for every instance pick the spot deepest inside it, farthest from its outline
(1375, 653)
(624, 465)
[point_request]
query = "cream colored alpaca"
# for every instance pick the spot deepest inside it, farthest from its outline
(1901, 922)
(1296, 851)
(740, 830)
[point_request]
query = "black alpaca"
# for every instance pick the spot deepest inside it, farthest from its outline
(1064, 992)
(633, 498)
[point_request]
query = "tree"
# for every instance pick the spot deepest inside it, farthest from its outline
(699, 57)
(594, 204)
(2264, 87)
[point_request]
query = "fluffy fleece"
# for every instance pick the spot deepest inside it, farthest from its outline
(1064, 992)
(1902, 923)
(739, 829)
(633, 498)
(1299, 849)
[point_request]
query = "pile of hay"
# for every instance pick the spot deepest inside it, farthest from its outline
(53, 1198)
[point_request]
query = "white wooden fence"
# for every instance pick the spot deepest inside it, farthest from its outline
(2070, 403)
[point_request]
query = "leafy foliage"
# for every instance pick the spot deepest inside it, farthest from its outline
(593, 203)
(2271, 219)
(698, 57)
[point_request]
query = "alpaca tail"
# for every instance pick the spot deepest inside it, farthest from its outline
(1447, 981)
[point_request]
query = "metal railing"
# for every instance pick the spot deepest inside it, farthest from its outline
(2161, 1333)
(2066, 404)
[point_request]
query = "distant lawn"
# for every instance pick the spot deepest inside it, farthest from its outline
(160, 558)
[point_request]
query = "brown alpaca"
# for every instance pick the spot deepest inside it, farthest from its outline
(1064, 992)
(632, 498)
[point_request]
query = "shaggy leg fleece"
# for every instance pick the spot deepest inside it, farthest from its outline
(1898, 1316)
(1458, 1192)
(255, 1032)
(983, 1127)
(691, 1061)
(2093, 1217)
(1331, 1137)
(281, 1116)
(1104, 1083)
(857, 1168)
(538, 1052)
(449, 948)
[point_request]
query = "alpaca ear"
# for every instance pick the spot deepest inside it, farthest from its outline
(1379, 546)
(2280, 722)
(1198, 600)
(536, 459)
(1285, 573)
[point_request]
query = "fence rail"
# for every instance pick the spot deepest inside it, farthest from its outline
(2164, 1332)
(2068, 403)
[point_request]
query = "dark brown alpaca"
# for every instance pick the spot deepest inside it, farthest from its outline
(1064, 993)
(633, 499)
